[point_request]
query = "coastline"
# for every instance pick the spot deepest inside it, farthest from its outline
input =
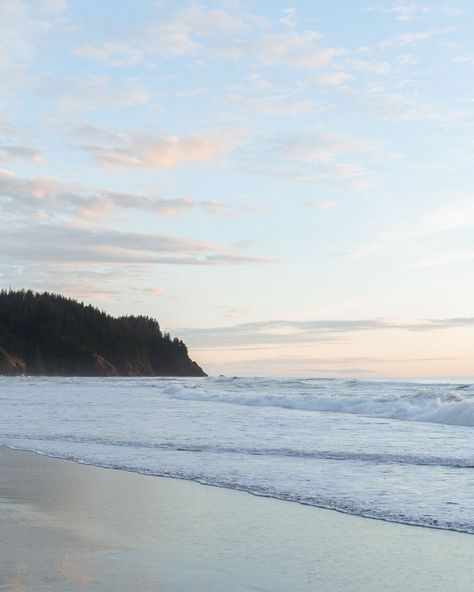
(67, 526)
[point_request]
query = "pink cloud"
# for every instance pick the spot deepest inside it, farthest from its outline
(163, 151)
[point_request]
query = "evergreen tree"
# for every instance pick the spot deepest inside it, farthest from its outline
(48, 334)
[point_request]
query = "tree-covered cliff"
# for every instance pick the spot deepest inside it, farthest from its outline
(47, 334)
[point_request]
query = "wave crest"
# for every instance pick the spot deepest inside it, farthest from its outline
(451, 409)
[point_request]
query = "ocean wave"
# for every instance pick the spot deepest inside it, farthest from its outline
(451, 409)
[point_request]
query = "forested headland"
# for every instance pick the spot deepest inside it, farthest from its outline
(45, 334)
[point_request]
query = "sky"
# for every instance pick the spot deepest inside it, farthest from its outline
(286, 186)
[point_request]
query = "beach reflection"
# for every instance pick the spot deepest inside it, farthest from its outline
(73, 568)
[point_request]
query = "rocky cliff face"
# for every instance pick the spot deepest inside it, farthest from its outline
(11, 365)
(49, 335)
(94, 364)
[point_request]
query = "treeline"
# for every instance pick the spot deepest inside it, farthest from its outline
(48, 334)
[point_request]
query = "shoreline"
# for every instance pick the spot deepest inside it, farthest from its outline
(241, 490)
(68, 525)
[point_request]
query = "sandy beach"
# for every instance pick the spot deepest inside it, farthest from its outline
(66, 526)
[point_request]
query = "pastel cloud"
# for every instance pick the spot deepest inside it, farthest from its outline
(313, 156)
(106, 202)
(28, 245)
(321, 204)
(21, 153)
(273, 105)
(167, 151)
(112, 53)
(19, 31)
(334, 79)
(258, 209)
(50, 197)
(413, 38)
(208, 22)
(20, 191)
(196, 30)
(53, 6)
(368, 66)
(280, 332)
(298, 49)
(398, 106)
(216, 208)
(176, 35)
(403, 11)
(100, 91)
(316, 145)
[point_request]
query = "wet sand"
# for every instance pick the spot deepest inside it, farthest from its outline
(70, 527)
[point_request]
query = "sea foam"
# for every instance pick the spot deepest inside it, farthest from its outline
(451, 408)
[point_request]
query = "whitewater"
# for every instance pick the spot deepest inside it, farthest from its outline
(392, 450)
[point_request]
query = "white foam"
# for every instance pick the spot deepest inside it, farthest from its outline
(450, 410)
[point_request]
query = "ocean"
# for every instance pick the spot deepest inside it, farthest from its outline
(392, 450)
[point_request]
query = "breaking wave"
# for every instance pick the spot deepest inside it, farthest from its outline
(453, 408)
